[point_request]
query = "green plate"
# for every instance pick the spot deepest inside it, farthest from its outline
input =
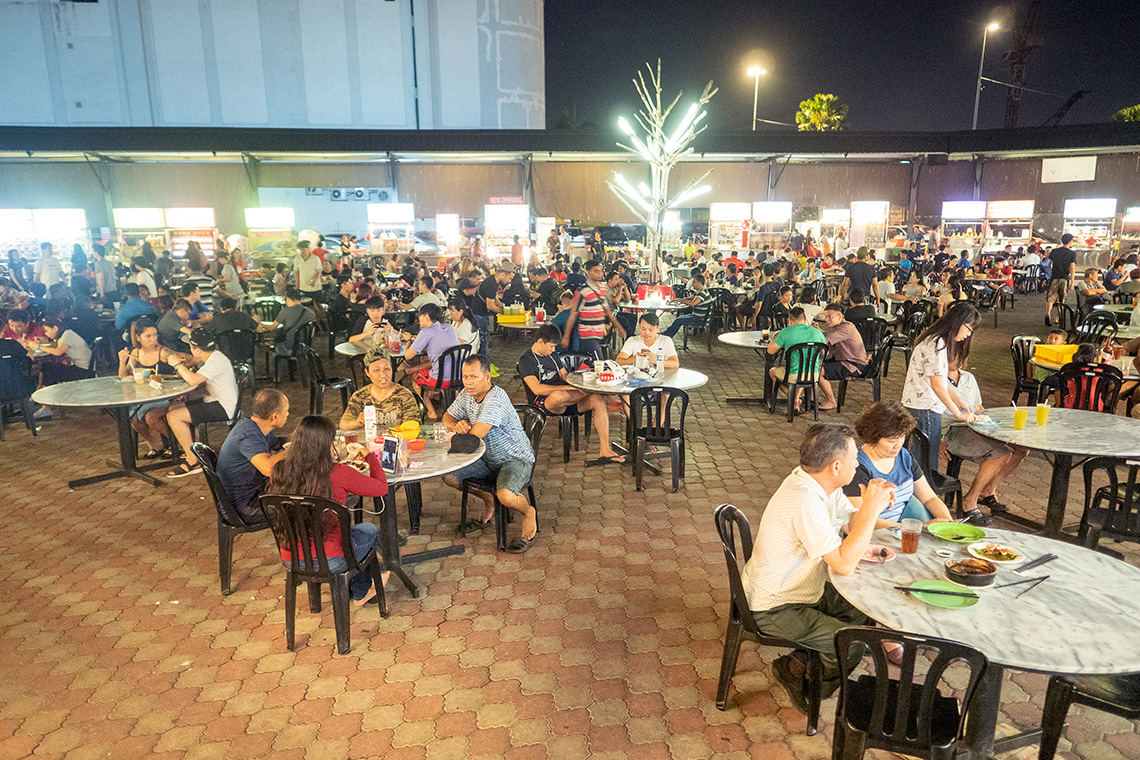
(941, 600)
(961, 533)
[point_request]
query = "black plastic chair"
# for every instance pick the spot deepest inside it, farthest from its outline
(987, 301)
(871, 331)
(241, 376)
(808, 357)
(16, 383)
(533, 423)
(872, 373)
(568, 420)
(911, 328)
(1067, 319)
(340, 324)
(1021, 348)
(1034, 278)
(319, 382)
(449, 370)
(298, 526)
(654, 424)
(941, 483)
(301, 337)
(1116, 695)
(230, 521)
(1092, 387)
(1096, 328)
(906, 716)
(731, 522)
(1113, 506)
(240, 347)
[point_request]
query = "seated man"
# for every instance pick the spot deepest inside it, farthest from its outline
(858, 309)
(545, 379)
(292, 318)
(373, 323)
(618, 293)
(133, 307)
(798, 331)
(646, 344)
(798, 540)
(485, 410)
(249, 452)
(218, 405)
(199, 312)
(846, 355)
(174, 325)
(701, 301)
(434, 338)
(229, 317)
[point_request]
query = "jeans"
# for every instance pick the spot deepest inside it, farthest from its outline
(930, 423)
(364, 537)
(483, 322)
(689, 319)
(591, 346)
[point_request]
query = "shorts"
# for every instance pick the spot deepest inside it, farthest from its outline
(833, 369)
(423, 377)
(975, 447)
(781, 374)
(540, 402)
(513, 475)
(1058, 289)
(206, 411)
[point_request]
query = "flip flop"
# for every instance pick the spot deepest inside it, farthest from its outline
(474, 525)
(520, 545)
(615, 458)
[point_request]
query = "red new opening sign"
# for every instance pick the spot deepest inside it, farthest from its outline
(504, 200)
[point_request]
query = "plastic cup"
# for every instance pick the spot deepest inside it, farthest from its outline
(911, 529)
(1020, 415)
(1042, 414)
(140, 376)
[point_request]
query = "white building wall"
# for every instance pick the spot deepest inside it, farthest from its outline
(273, 63)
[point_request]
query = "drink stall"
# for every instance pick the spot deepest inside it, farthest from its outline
(771, 224)
(1008, 223)
(1130, 229)
(24, 229)
(832, 220)
(869, 225)
(135, 226)
(503, 218)
(729, 224)
(964, 227)
(272, 237)
(392, 229)
(1092, 223)
(186, 224)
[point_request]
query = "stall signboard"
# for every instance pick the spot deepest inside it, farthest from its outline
(189, 218)
(506, 200)
(671, 230)
(391, 214)
(1009, 210)
(1091, 221)
(1130, 230)
(728, 225)
(963, 210)
(869, 224)
(25, 229)
(139, 218)
(270, 218)
(501, 222)
(835, 216)
(1090, 208)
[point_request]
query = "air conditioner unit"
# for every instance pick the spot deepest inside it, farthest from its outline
(356, 193)
(314, 191)
(336, 194)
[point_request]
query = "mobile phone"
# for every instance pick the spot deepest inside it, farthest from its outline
(390, 454)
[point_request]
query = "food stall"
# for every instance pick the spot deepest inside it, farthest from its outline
(729, 224)
(869, 225)
(1130, 228)
(392, 229)
(24, 229)
(1008, 223)
(832, 220)
(272, 237)
(501, 222)
(771, 224)
(447, 236)
(186, 224)
(964, 227)
(135, 226)
(1092, 223)
(671, 231)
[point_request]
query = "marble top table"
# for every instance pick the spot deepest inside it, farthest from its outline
(757, 340)
(1069, 433)
(352, 349)
(115, 395)
(680, 378)
(636, 306)
(1127, 332)
(1080, 621)
(1115, 308)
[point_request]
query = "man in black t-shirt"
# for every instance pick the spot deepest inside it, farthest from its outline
(546, 290)
(1064, 263)
(544, 376)
(858, 309)
(486, 302)
(229, 318)
(862, 276)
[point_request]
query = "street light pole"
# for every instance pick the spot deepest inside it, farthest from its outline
(755, 72)
(978, 91)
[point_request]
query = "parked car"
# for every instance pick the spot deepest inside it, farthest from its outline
(612, 235)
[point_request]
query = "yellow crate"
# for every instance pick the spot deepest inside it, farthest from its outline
(514, 319)
(1062, 354)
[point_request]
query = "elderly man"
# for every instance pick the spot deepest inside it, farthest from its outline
(846, 355)
(798, 540)
(485, 410)
(249, 452)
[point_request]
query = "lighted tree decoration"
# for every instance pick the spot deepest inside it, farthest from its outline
(662, 150)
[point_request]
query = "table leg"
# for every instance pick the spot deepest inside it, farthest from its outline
(127, 466)
(390, 544)
(762, 399)
(981, 725)
(1058, 494)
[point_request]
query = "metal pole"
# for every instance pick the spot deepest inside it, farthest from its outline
(755, 99)
(981, 63)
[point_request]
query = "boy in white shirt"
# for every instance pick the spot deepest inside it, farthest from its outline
(647, 342)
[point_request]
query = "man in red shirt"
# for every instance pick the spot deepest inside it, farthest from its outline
(734, 259)
(320, 252)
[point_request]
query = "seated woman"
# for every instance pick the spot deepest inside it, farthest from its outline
(308, 469)
(646, 344)
(394, 403)
(149, 419)
(464, 322)
(951, 294)
(915, 287)
(882, 429)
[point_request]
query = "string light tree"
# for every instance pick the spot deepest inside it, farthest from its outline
(662, 151)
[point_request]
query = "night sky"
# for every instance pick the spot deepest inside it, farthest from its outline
(899, 65)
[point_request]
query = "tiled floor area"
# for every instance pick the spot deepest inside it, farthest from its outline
(603, 641)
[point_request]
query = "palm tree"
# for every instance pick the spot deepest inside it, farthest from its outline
(823, 113)
(1131, 113)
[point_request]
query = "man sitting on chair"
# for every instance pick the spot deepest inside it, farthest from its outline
(798, 331)
(545, 377)
(434, 338)
(798, 541)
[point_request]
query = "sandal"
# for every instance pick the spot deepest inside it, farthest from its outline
(520, 545)
(183, 469)
(153, 454)
(472, 526)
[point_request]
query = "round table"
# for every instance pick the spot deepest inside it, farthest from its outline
(755, 340)
(1080, 621)
(680, 378)
(1069, 433)
(637, 306)
(1127, 332)
(1124, 364)
(1115, 308)
(351, 349)
(115, 395)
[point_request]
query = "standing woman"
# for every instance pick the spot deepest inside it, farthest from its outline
(16, 270)
(927, 393)
(308, 469)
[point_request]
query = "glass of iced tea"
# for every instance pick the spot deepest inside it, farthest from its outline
(911, 529)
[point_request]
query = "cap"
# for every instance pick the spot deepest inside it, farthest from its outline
(376, 354)
(506, 266)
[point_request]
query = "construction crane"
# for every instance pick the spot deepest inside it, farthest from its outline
(1059, 114)
(1026, 40)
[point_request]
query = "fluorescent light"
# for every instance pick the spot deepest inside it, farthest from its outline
(16, 223)
(671, 221)
(269, 218)
(1090, 208)
(770, 212)
(391, 213)
(55, 221)
(692, 194)
(994, 26)
(624, 126)
(835, 215)
(139, 218)
(970, 210)
(447, 228)
(190, 218)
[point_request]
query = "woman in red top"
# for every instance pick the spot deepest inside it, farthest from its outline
(308, 470)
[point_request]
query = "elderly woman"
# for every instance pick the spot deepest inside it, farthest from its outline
(882, 429)
(394, 403)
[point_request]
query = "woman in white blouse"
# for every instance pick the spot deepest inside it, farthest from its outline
(465, 328)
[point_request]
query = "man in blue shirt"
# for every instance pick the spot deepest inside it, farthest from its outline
(250, 450)
(575, 281)
(133, 307)
(199, 312)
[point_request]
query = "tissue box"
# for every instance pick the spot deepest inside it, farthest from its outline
(1062, 354)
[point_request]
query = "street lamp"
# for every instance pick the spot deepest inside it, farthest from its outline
(991, 27)
(756, 72)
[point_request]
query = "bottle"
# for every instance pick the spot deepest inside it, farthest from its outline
(369, 423)
(660, 361)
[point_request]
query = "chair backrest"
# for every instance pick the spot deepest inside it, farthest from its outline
(871, 330)
(243, 375)
(315, 365)
(730, 523)
(903, 712)
(449, 366)
(572, 360)
(1066, 318)
(1035, 272)
(534, 423)
(100, 354)
(227, 513)
(1092, 387)
(1096, 328)
(651, 409)
(1120, 497)
(919, 447)
(877, 355)
(238, 345)
(820, 286)
(987, 297)
(807, 360)
(16, 383)
(298, 527)
(1021, 348)
(680, 291)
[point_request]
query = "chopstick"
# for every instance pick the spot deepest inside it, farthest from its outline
(936, 591)
(1018, 583)
(1036, 563)
(1035, 585)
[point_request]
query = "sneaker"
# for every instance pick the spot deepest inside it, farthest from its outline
(781, 669)
(976, 517)
(41, 414)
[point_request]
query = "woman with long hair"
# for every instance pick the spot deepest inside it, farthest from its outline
(464, 322)
(952, 293)
(308, 469)
(927, 394)
(149, 419)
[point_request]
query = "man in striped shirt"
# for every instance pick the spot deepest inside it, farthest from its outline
(591, 312)
(701, 301)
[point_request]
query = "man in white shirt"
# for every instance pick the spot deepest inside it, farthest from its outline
(564, 242)
(218, 405)
(307, 271)
(798, 541)
(646, 343)
(48, 270)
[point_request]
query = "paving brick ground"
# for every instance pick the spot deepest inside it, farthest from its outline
(603, 641)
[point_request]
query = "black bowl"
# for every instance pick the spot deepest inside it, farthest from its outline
(971, 572)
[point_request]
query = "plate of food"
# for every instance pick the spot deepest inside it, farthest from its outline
(956, 532)
(999, 554)
(877, 555)
(355, 457)
(984, 420)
